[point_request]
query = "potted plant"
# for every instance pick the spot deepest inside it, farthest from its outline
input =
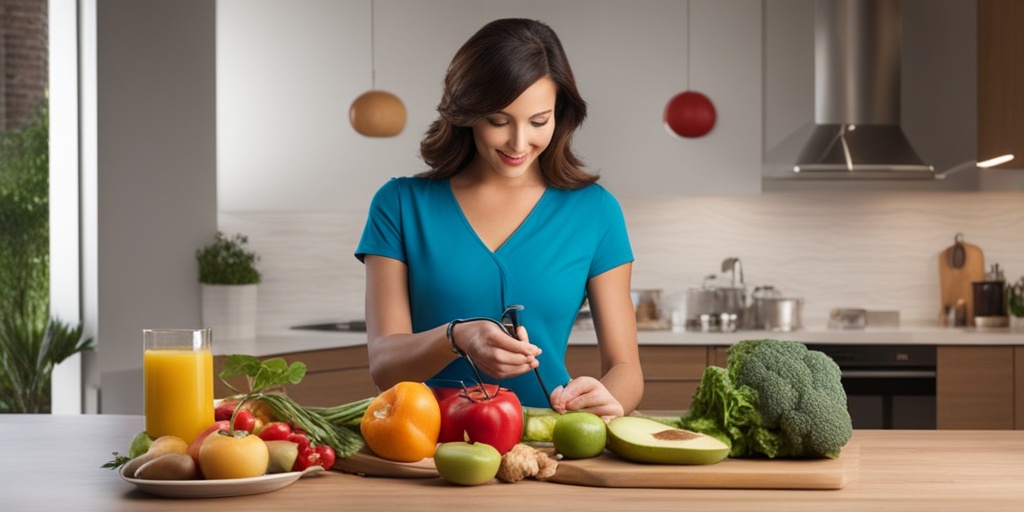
(1015, 304)
(31, 341)
(229, 281)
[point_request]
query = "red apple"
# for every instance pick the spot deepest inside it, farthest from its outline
(193, 449)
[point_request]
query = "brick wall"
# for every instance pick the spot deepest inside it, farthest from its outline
(24, 31)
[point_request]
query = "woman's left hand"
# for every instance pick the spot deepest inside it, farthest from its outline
(586, 394)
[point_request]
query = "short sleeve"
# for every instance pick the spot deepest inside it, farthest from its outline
(382, 235)
(613, 248)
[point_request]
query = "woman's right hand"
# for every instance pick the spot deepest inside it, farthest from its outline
(493, 351)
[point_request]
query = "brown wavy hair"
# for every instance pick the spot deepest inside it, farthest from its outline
(488, 73)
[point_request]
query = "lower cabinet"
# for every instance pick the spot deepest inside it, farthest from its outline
(978, 387)
(671, 373)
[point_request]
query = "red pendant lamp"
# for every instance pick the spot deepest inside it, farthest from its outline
(689, 114)
(376, 113)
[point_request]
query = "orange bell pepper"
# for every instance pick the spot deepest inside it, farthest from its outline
(402, 423)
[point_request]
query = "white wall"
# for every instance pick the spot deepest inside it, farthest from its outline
(297, 179)
(288, 71)
(66, 384)
(149, 190)
(874, 250)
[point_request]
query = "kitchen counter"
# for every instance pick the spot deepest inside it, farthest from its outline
(288, 341)
(52, 462)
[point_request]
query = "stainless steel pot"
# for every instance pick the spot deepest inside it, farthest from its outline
(782, 314)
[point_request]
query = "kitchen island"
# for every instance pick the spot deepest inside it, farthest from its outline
(52, 462)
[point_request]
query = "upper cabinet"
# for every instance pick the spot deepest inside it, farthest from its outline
(1001, 80)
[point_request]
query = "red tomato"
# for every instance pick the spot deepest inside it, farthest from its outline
(326, 454)
(300, 439)
(225, 410)
(244, 420)
(274, 431)
(468, 415)
(322, 456)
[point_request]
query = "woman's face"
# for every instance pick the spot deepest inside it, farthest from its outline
(509, 141)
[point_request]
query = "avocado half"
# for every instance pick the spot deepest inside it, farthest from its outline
(645, 440)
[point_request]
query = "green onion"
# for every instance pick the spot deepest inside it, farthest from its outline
(323, 425)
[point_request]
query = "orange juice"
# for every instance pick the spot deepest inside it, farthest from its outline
(179, 391)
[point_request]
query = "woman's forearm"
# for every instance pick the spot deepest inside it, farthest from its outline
(626, 383)
(408, 357)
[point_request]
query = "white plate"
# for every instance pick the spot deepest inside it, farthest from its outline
(219, 488)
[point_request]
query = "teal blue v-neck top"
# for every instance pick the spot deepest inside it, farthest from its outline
(569, 237)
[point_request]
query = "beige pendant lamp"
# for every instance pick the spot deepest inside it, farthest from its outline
(376, 113)
(689, 114)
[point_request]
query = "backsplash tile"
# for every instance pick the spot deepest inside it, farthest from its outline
(876, 250)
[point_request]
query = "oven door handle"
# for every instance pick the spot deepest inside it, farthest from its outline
(888, 374)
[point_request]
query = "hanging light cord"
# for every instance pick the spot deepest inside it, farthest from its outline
(687, 45)
(373, 48)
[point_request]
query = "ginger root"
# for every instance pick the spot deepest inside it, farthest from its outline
(524, 461)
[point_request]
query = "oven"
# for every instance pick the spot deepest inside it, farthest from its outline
(887, 386)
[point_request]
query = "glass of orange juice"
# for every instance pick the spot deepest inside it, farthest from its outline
(178, 378)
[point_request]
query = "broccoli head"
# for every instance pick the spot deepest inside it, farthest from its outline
(776, 399)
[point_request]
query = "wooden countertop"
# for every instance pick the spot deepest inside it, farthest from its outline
(50, 462)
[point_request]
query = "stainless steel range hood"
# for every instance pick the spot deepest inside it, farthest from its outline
(857, 96)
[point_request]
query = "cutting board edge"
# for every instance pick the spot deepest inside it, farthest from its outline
(735, 474)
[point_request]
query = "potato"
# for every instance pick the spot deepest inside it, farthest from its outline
(161, 446)
(169, 466)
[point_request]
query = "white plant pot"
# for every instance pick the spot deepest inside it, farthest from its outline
(230, 311)
(1017, 323)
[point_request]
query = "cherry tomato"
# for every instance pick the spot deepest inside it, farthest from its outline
(326, 454)
(244, 420)
(322, 456)
(274, 431)
(300, 439)
(225, 410)
(307, 457)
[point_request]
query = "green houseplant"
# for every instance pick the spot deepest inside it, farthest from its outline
(226, 261)
(1015, 304)
(229, 280)
(31, 342)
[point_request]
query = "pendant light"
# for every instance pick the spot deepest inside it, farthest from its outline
(376, 113)
(690, 113)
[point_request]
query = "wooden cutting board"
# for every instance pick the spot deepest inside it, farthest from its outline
(959, 265)
(611, 471)
(608, 470)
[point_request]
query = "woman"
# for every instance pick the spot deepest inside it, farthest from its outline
(506, 216)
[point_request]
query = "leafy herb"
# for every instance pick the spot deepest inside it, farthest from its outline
(119, 460)
(267, 374)
(335, 426)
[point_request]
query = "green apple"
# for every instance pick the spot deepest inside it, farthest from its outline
(282, 455)
(579, 435)
(139, 445)
(467, 463)
(645, 440)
